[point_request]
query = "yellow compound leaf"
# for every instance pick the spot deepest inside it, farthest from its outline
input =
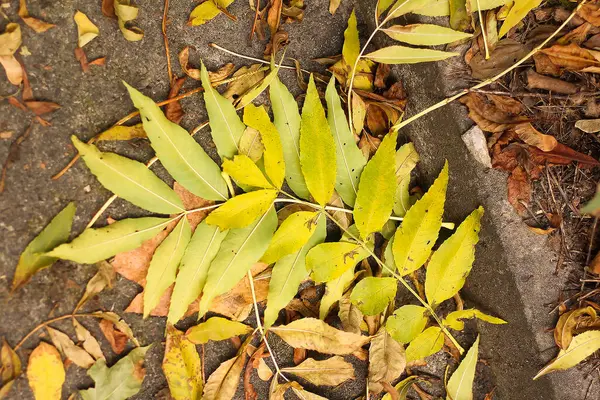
(86, 30)
(45, 372)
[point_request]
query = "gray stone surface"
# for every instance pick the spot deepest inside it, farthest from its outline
(513, 276)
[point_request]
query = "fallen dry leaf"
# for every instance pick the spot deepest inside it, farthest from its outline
(89, 343)
(519, 189)
(527, 133)
(45, 372)
(34, 23)
(103, 278)
(86, 29)
(65, 345)
(173, 110)
(537, 81)
(10, 368)
(568, 322)
(116, 338)
(571, 57)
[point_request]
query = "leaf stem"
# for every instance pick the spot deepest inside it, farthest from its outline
(403, 282)
(483, 31)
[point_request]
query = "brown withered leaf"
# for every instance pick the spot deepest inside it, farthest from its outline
(506, 104)
(506, 53)
(368, 145)
(274, 15)
(381, 75)
(88, 342)
(278, 41)
(577, 35)
(108, 8)
(527, 133)
(330, 372)
(567, 322)
(591, 13)
(223, 383)
(538, 81)
(342, 218)
(350, 316)
(543, 65)
(562, 155)
(247, 78)
(34, 23)
(519, 189)
(293, 11)
(593, 42)
(116, 338)
(174, 111)
(69, 350)
(41, 107)
(119, 323)
(103, 278)
(184, 56)
(493, 109)
(10, 368)
(594, 266)
(571, 56)
(387, 360)
(377, 121)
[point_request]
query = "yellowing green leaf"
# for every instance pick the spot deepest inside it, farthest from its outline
(243, 170)
(182, 366)
(200, 252)
(407, 55)
(314, 334)
(383, 5)
(290, 270)
(225, 125)
(329, 261)
(386, 360)
(34, 257)
(376, 189)
(454, 319)
(122, 132)
(317, 148)
(287, 121)
(207, 11)
(441, 8)
(349, 158)
(334, 290)
(330, 372)
(257, 118)
(419, 230)
(424, 34)
(257, 90)
(251, 144)
(581, 347)
(164, 264)
(518, 11)
(242, 210)
(216, 328)
(126, 14)
(402, 7)
(291, 236)
(451, 263)
(407, 323)
(406, 160)
(86, 30)
(428, 342)
(241, 248)
(119, 382)
(185, 159)
(351, 48)
(65, 345)
(45, 372)
(222, 384)
(130, 180)
(460, 384)
(372, 295)
(96, 244)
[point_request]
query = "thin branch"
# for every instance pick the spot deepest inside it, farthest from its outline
(166, 40)
(483, 31)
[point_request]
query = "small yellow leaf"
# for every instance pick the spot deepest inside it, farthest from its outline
(86, 30)
(424, 34)
(293, 233)
(121, 132)
(182, 366)
(10, 39)
(407, 323)
(207, 11)
(45, 372)
(216, 328)
(407, 55)
(126, 14)
(518, 11)
(240, 211)
(429, 342)
(454, 319)
(244, 171)
(373, 294)
(351, 47)
(329, 261)
(251, 144)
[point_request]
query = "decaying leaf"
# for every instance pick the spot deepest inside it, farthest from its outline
(65, 345)
(182, 366)
(86, 30)
(120, 381)
(116, 338)
(10, 368)
(350, 316)
(222, 384)
(88, 342)
(34, 23)
(581, 347)
(314, 334)
(121, 132)
(386, 360)
(569, 322)
(104, 277)
(10, 41)
(454, 319)
(216, 328)
(330, 372)
(45, 372)
(126, 13)
(533, 137)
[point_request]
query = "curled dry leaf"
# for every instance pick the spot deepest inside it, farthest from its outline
(581, 347)
(65, 345)
(89, 343)
(103, 278)
(126, 14)
(119, 323)
(173, 110)
(222, 384)
(34, 23)
(86, 29)
(10, 368)
(569, 322)
(330, 372)
(572, 57)
(533, 137)
(387, 360)
(116, 338)
(10, 41)
(208, 10)
(45, 372)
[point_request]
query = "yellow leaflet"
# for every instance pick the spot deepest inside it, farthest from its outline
(407, 323)
(581, 347)
(86, 30)
(372, 294)
(329, 261)
(351, 48)
(240, 211)
(182, 366)
(429, 342)
(216, 328)
(291, 236)
(454, 319)
(425, 34)
(460, 384)
(520, 9)
(243, 170)
(45, 372)
(407, 55)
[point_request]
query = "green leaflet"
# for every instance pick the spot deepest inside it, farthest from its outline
(242, 210)
(289, 272)
(407, 323)
(460, 384)
(402, 7)
(402, 388)
(243, 170)
(239, 251)
(581, 347)
(350, 160)
(383, 5)
(225, 125)
(200, 252)
(441, 8)
(429, 342)
(317, 149)
(351, 48)
(33, 258)
(257, 118)
(407, 55)
(97, 244)
(119, 382)
(182, 366)
(130, 180)
(334, 290)
(454, 319)
(253, 93)
(286, 119)
(164, 264)
(185, 159)
(376, 189)
(451, 263)
(518, 11)
(291, 236)
(424, 34)
(328, 261)
(419, 230)
(216, 328)
(460, 17)
(406, 160)
(372, 295)
(592, 206)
